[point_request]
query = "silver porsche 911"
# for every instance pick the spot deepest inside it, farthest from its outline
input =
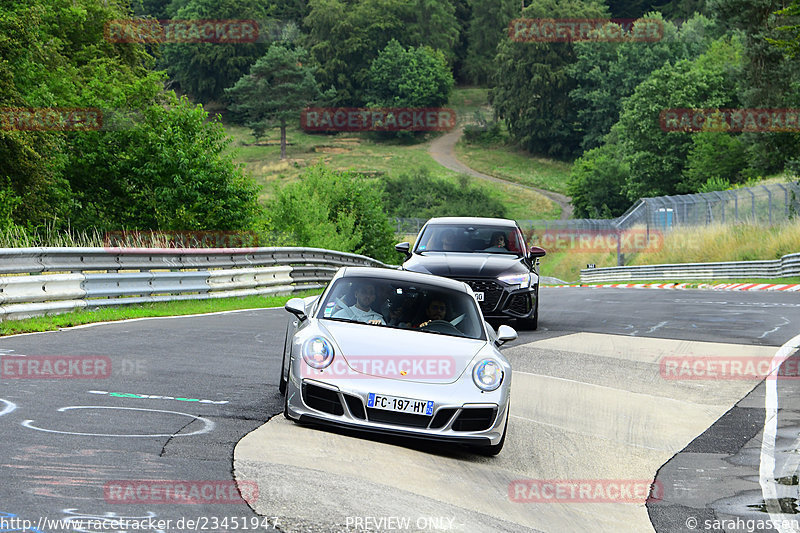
(401, 353)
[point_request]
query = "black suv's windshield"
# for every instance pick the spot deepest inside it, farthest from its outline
(477, 238)
(404, 305)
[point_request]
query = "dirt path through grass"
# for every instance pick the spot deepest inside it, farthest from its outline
(442, 150)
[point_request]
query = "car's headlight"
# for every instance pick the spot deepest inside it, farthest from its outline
(487, 375)
(523, 281)
(318, 352)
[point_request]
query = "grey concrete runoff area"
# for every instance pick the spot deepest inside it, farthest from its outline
(194, 400)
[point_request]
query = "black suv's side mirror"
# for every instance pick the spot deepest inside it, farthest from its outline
(536, 251)
(404, 248)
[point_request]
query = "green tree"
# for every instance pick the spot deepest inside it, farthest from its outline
(167, 169)
(278, 87)
(789, 38)
(714, 154)
(333, 210)
(607, 73)
(414, 77)
(597, 181)
(657, 158)
(419, 195)
(345, 36)
(769, 78)
(487, 27)
(534, 83)
(205, 70)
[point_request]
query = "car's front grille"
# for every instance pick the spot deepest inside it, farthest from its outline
(322, 399)
(476, 419)
(520, 304)
(492, 291)
(398, 419)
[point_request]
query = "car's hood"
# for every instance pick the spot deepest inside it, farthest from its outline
(388, 353)
(464, 265)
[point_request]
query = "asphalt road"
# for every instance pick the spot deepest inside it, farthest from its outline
(182, 392)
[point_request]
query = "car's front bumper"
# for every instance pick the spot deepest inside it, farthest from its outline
(459, 414)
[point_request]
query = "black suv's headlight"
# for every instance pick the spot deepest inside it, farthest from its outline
(519, 281)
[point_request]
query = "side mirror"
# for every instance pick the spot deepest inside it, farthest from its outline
(536, 251)
(297, 307)
(505, 334)
(404, 248)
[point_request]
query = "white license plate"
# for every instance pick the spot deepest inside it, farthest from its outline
(479, 296)
(400, 405)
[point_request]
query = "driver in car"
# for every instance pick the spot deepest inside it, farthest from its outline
(362, 311)
(436, 310)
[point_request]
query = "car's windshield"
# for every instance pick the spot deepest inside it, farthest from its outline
(404, 305)
(473, 238)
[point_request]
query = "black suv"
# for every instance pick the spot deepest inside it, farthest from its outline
(490, 255)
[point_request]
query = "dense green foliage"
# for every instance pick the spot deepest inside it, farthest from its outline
(534, 83)
(414, 77)
(156, 163)
(278, 87)
(419, 195)
(345, 36)
(205, 70)
(333, 210)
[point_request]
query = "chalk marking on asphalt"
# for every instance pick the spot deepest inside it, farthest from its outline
(140, 396)
(776, 328)
(208, 424)
(766, 468)
(10, 406)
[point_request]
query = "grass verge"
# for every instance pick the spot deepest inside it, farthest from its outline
(184, 307)
(694, 283)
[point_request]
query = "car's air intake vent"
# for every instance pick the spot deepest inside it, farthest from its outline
(442, 417)
(477, 419)
(322, 399)
(356, 406)
(520, 304)
(398, 419)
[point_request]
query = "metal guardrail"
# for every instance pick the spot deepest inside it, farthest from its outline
(786, 266)
(39, 281)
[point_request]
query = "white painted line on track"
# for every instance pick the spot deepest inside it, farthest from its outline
(137, 320)
(10, 406)
(207, 427)
(766, 469)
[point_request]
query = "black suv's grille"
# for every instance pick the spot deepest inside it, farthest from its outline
(492, 291)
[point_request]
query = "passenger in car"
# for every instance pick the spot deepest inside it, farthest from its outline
(498, 243)
(362, 311)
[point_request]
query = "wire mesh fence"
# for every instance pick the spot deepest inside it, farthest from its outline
(764, 204)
